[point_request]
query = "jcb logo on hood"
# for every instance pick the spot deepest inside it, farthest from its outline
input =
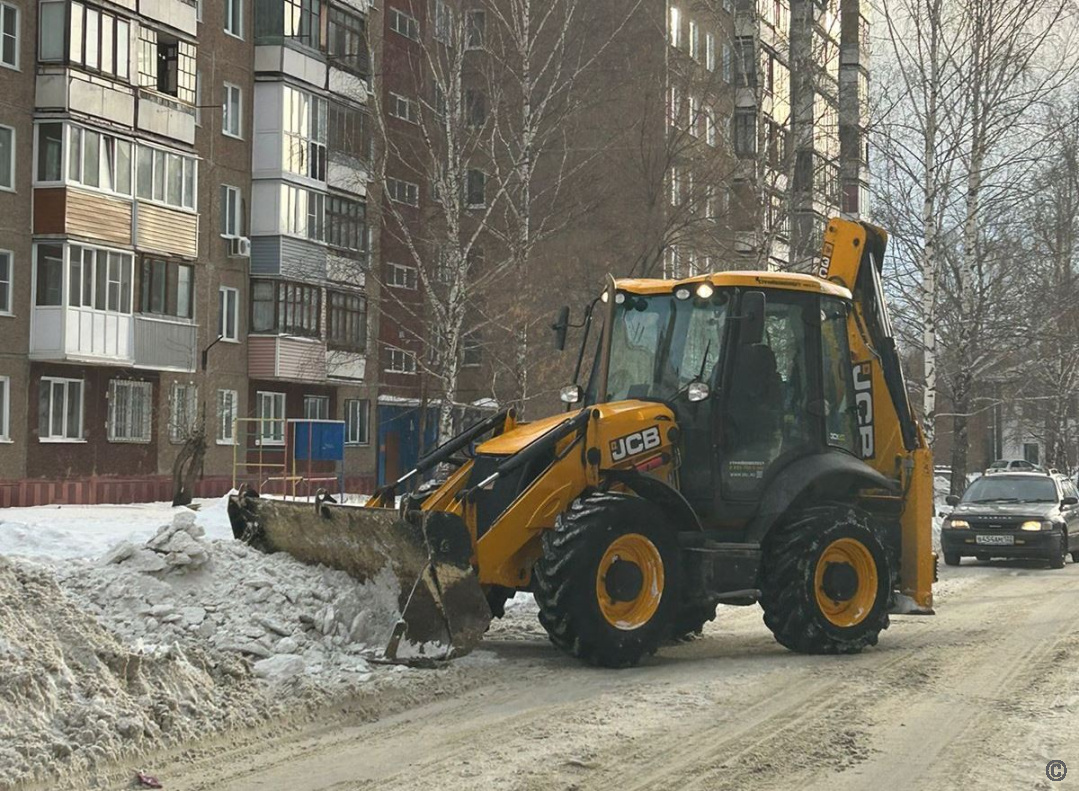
(632, 444)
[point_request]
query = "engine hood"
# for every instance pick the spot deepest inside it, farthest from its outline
(628, 412)
(1014, 510)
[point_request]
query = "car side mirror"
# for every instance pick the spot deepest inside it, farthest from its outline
(560, 327)
(952, 499)
(698, 391)
(752, 318)
(570, 394)
(1070, 501)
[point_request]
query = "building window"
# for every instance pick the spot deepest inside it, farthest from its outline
(350, 131)
(5, 282)
(49, 275)
(404, 108)
(728, 64)
(50, 153)
(403, 191)
(164, 177)
(303, 21)
(183, 410)
(234, 18)
(475, 29)
(475, 107)
(400, 276)
(694, 114)
(231, 212)
(130, 406)
(676, 27)
(7, 158)
(96, 160)
(5, 409)
(9, 36)
(402, 23)
(228, 301)
(401, 362)
(346, 223)
(745, 134)
(52, 28)
(271, 414)
(357, 411)
(347, 321)
(60, 409)
(232, 114)
(316, 407)
(471, 351)
(167, 288)
(99, 279)
(694, 40)
(710, 52)
(97, 40)
(476, 189)
(710, 127)
(226, 416)
(304, 133)
(303, 212)
(443, 21)
(347, 41)
(285, 308)
(166, 64)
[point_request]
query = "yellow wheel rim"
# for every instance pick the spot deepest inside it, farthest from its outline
(629, 582)
(846, 582)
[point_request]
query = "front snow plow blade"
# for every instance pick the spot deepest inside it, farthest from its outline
(444, 613)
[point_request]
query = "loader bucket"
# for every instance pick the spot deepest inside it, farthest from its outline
(444, 612)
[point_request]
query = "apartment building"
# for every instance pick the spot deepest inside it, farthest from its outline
(183, 238)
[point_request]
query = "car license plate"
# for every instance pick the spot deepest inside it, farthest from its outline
(995, 540)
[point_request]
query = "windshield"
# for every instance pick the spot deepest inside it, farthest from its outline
(660, 344)
(1000, 489)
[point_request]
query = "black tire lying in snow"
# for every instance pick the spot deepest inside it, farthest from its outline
(792, 553)
(566, 578)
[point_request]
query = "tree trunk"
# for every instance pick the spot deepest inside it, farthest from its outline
(960, 437)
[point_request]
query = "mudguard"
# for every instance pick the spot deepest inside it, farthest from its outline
(652, 488)
(809, 471)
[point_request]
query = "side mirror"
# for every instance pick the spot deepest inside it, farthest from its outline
(560, 327)
(752, 318)
(952, 499)
(1070, 501)
(698, 391)
(570, 394)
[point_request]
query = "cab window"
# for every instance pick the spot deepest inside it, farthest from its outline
(842, 411)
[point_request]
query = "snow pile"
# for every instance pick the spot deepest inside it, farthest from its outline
(160, 642)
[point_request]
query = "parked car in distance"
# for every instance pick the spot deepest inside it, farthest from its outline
(1013, 465)
(1013, 515)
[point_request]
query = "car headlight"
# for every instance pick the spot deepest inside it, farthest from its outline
(1034, 524)
(958, 524)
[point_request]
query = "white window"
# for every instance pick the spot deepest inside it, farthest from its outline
(471, 352)
(402, 23)
(226, 416)
(676, 187)
(710, 52)
(9, 36)
(183, 410)
(316, 407)
(475, 29)
(303, 212)
(404, 108)
(5, 409)
(60, 410)
(164, 177)
(228, 300)
(400, 276)
(305, 133)
(694, 40)
(710, 124)
(676, 27)
(232, 114)
(98, 279)
(357, 412)
(6, 258)
(7, 158)
(401, 362)
(231, 211)
(694, 114)
(403, 191)
(271, 414)
(234, 18)
(96, 160)
(130, 406)
(728, 64)
(674, 106)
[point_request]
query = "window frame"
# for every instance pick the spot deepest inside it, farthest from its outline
(17, 35)
(411, 113)
(131, 437)
(412, 191)
(236, 7)
(169, 289)
(346, 223)
(305, 133)
(11, 159)
(288, 297)
(472, 176)
(190, 393)
(230, 89)
(271, 439)
(303, 219)
(323, 406)
(471, 351)
(8, 309)
(5, 409)
(474, 31)
(399, 19)
(346, 318)
(405, 357)
(361, 419)
(221, 439)
(233, 217)
(354, 27)
(223, 295)
(64, 437)
(188, 166)
(411, 276)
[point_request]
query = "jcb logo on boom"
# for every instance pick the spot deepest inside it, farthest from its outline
(632, 444)
(863, 397)
(825, 262)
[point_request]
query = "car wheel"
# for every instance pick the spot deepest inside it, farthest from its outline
(951, 558)
(1060, 555)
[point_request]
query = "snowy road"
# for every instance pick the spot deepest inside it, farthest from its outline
(981, 696)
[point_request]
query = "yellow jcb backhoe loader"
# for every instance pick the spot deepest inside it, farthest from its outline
(743, 437)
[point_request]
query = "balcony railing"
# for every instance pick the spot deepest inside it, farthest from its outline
(286, 357)
(165, 343)
(81, 334)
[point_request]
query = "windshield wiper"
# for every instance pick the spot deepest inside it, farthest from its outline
(998, 500)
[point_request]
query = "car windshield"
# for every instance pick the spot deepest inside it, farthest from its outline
(1001, 489)
(998, 465)
(659, 344)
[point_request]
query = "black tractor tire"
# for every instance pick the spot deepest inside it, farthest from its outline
(566, 578)
(690, 620)
(1059, 554)
(789, 570)
(953, 558)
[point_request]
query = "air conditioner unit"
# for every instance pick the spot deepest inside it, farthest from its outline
(239, 247)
